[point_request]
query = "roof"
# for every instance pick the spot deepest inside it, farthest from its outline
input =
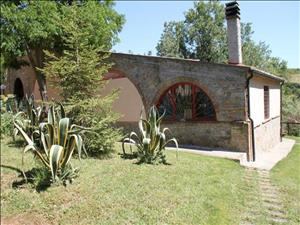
(251, 68)
(266, 74)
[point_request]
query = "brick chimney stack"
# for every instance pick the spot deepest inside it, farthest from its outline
(232, 12)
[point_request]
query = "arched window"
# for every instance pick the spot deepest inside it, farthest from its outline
(186, 101)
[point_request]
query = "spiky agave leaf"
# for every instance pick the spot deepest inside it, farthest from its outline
(152, 142)
(74, 142)
(130, 140)
(63, 129)
(55, 155)
(23, 133)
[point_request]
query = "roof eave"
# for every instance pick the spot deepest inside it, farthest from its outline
(266, 74)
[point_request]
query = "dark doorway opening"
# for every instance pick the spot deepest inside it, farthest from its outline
(18, 90)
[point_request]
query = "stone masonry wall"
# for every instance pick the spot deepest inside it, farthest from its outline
(229, 136)
(224, 84)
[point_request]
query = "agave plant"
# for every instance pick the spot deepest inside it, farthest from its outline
(30, 118)
(57, 141)
(152, 142)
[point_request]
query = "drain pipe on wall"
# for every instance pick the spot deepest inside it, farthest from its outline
(281, 83)
(249, 117)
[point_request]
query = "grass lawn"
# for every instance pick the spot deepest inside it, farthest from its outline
(286, 175)
(193, 190)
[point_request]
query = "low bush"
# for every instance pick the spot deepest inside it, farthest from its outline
(96, 113)
(7, 125)
(8, 103)
(152, 142)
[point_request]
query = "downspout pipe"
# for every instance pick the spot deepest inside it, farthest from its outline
(281, 83)
(249, 116)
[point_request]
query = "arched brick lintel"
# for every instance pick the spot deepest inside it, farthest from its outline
(165, 85)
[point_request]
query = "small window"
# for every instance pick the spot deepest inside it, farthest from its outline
(266, 102)
(186, 101)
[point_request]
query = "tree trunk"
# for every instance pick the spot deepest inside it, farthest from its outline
(36, 59)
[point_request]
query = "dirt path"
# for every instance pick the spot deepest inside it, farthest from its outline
(266, 205)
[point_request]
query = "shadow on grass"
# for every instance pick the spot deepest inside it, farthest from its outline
(152, 163)
(128, 156)
(11, 168)
(134, 155)
(39, 178)
(17, 143)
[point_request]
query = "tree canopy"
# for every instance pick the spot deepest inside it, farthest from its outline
(78, 69)
(30, 27)
(202, 35)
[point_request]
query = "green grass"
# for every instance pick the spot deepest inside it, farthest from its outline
(286, 175)
(193, 190)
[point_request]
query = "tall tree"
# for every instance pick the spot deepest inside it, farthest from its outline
(30, 27)
(78, 69)
(202, 35)
(174, 36)
(206, 32)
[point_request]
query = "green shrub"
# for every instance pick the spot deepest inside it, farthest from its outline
(7, 125)
(96, 113)
(152, 142)
(8, 103)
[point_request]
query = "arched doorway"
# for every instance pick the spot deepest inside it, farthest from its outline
(18, 89)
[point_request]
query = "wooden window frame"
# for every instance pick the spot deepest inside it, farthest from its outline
(266, 102)
(194, 88)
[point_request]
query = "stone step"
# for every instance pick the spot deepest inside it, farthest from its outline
(270, 190)
(264, 180)
(247, 223)
(271, 201)
(264, 175)
(277, 214)
(268, 185)
(272, 206)
(276, 220)
(271, 194)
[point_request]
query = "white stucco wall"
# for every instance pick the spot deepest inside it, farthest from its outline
(257, 99)
(129, 102)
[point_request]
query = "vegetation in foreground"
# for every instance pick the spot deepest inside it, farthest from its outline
(192, 190)
(151, 144)
(286, 175)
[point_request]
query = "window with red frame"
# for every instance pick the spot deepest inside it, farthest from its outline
(184, 102)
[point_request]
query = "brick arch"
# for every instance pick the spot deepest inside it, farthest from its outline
(167, 84)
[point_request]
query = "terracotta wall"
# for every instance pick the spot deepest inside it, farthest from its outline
(129, 103)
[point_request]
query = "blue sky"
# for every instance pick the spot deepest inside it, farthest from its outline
(275, 22)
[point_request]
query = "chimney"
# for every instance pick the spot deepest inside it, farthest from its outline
(232, 12)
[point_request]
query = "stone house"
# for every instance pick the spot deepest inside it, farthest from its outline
(230, 106)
